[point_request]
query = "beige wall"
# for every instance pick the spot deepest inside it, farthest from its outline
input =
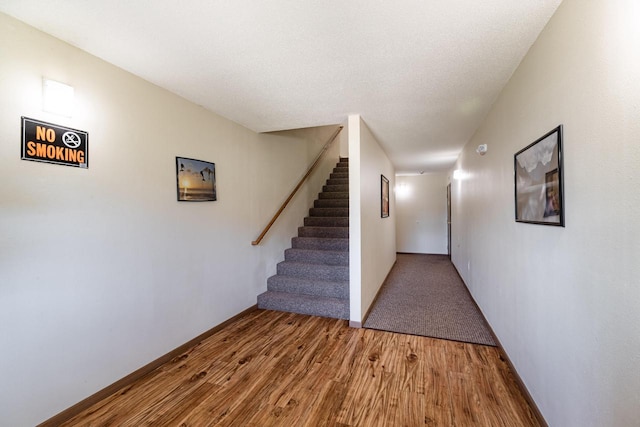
(372, 244)
(102, 270)
(564, 301)
(421, 204)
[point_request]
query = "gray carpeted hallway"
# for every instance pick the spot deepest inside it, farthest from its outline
(424, 295)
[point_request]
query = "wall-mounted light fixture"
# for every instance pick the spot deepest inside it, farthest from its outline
(403, 190)
(57, 98)
(458, 174)
(482, 149)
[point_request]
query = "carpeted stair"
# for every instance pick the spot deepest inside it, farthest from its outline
(314, 276)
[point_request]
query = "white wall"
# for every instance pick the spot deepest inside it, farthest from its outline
(564, 301)
(102, 270)
(372, 239)
(355, 223)
(344, 139)
(421, 220)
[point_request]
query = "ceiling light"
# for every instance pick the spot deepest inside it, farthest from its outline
(57, 98)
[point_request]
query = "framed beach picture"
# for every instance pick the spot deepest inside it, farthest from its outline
(538, 181)
(196, 180)
(384, 196)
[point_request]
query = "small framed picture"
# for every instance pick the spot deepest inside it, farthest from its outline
(196, 180)
(538, 181)
(384, 196)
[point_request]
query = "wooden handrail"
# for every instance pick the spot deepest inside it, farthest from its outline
(295, 190)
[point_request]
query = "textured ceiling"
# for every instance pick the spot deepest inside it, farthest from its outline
(422, 73)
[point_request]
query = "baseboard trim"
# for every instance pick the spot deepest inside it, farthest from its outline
(74, 410)
(366, 315)
(419, 253)
(505, 357)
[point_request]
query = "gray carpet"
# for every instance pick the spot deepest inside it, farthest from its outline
(424, 295)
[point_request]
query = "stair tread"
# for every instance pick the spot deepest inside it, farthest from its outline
(313, 271)
(320, 282)
(327, 210)
(331, 203)
(301, 263)
(317, 256)
(326, 221)
(323, 232)
(321, 243)
(337, 239)
(304, 296)
(328, 252)
(333, 195)
(342, 188)
(330, 212)
(337, 181)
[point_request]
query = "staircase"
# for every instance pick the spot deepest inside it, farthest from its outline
(314, 276)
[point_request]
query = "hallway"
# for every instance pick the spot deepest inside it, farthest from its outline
(424, 295)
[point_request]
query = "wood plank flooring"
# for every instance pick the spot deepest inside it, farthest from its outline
(280, 369)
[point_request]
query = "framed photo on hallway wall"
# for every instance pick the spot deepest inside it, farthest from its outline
(196, 180)
(384, 197)
(538, 181)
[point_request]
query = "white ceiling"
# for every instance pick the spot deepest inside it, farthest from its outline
(421, 73)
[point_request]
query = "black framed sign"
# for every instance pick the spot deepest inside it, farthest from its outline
(196, 180)
(50, 143)
(539, 190)
(384, 196)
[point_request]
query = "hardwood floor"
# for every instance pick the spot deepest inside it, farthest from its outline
(280, 369)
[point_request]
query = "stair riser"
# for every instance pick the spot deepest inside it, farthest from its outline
(336, 309)
(320, 232)
(340, 170)
(314, 271)
(325, 244)
(306, 287)
(335, 188)
(334, 195)
(313, 256)
(339, 176)
(330, 212)
(341, 181)
(331, 203)
(318, 221)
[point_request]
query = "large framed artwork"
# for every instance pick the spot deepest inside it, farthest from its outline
(384, 196)
(539, 188)
(196, 180)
